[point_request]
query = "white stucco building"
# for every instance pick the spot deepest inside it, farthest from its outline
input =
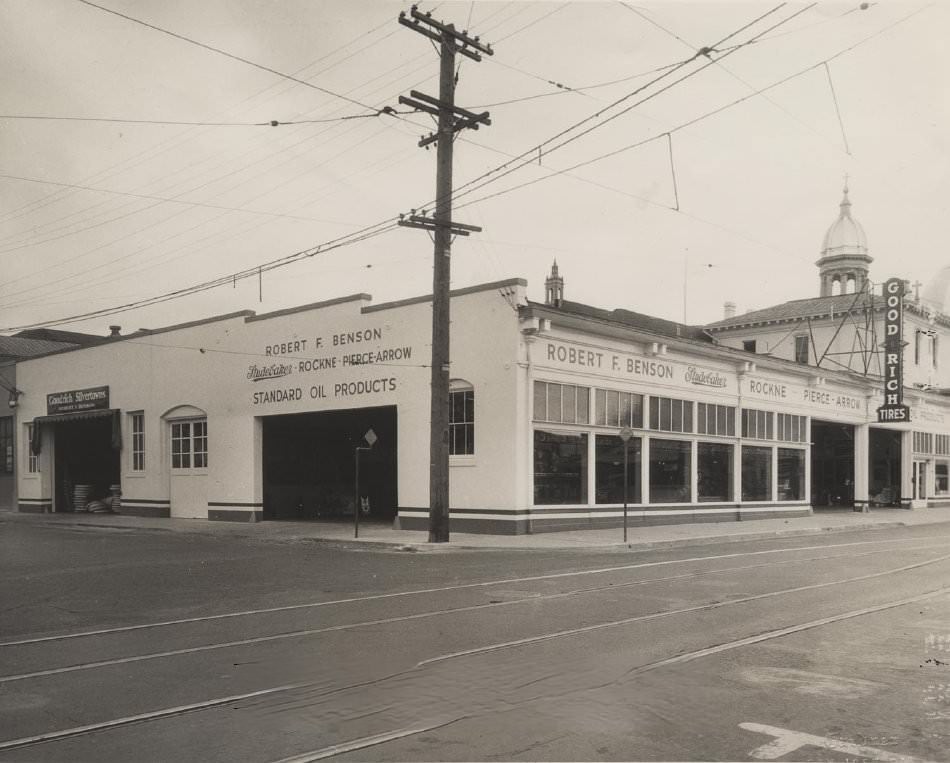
(250, 417)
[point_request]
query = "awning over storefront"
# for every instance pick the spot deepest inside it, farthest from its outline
(36, 442)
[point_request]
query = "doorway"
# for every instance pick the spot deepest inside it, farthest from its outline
(832, 464)
(920, 474)
(884, 472)
(310, 466)
(85, 462)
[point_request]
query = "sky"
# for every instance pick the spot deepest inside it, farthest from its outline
(691, 185)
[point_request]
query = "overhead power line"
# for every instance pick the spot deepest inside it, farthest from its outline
(169, 199)
(694, 120)
(390, 224)
(270, 123)
(528, 157)
(226, 54)
(370, 231)
(376, 229)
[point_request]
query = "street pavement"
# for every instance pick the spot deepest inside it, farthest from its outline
(122, 641)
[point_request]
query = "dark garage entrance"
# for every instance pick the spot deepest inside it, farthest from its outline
(832, 464)
(885, 467)
(309, 465)
(85, 458)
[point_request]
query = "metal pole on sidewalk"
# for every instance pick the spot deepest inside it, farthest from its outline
(625, 434)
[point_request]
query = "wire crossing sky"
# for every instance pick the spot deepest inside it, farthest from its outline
(141, 173)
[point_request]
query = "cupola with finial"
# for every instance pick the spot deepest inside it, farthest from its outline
(554, 288)
(844, 254)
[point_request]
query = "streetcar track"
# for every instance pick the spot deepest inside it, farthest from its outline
(474, 607)
(170, 712)
(669, 613)
(440, 589)
(364, 742)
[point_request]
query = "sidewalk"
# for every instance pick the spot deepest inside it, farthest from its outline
(373, 535)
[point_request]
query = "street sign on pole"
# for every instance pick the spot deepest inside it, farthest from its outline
(371, 438)
(625, 434)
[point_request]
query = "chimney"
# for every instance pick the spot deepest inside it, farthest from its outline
(114, 330)
(729, 310)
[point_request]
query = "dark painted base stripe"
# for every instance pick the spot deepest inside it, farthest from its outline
(146, 511)
(591, 522)
(34, 508)
(225, 515)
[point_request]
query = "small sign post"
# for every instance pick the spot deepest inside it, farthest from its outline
(625, 434)
(371, 438)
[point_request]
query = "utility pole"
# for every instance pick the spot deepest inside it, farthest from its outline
(451, 119)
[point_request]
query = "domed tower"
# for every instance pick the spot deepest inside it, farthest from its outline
(554, 288)
(844, 253)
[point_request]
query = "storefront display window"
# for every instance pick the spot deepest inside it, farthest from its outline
(609, 469)
(756, 474)
(942, 477)
(560, 467)
(670, 471)
(791, 474)
(714, 463)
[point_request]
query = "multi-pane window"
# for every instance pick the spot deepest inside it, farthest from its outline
(32, 462)
(6, 444)
(137, 421)
(462, 422)
(923, 442)
(801, 349)
(670, 415)
(561, 403)
(757, 425)
(190, 444)
(618, 409)
(790, 428)
(716, 419)
(942, 444)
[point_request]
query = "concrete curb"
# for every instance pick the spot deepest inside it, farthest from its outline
(241, 531)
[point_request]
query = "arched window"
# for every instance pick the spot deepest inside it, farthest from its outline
(836, 286)
(461, 418)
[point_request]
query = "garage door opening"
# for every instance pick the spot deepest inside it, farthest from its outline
(885, 467)
(310, 468)
(86, 462)
(832, 465)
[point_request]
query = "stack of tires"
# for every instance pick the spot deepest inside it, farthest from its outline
(81, 497)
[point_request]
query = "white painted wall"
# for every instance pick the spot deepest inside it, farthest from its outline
(211, 366)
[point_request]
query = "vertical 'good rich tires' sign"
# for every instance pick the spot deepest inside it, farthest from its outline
(893, 409)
